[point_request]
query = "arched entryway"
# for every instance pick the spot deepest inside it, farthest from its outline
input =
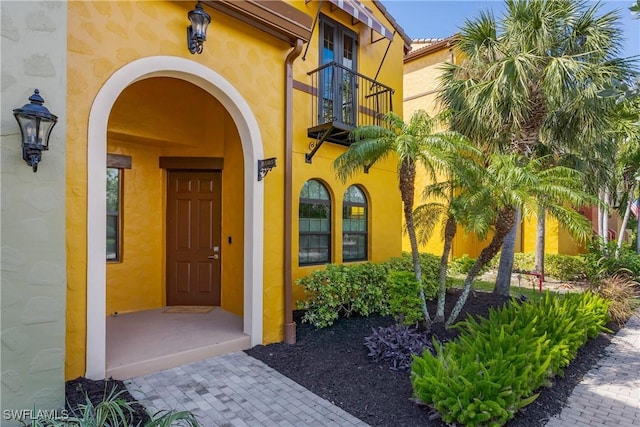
(249, 134)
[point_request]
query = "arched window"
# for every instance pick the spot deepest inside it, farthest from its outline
(314, 218)
(354, 225)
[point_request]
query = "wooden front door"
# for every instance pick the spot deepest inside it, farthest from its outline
(193, 238)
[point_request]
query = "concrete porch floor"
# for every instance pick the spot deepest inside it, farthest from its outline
(148, 341)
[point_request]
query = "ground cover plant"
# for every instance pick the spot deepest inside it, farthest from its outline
(108, 403)
(492, 369)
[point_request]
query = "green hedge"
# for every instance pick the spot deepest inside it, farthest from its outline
(342, 290)
(383, 288)
(493, 368)
(429, 264)
(565, 267)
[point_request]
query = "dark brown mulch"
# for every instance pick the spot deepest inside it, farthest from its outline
(333, 363)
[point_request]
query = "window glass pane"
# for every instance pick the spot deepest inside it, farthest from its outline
(347, 51)
(314, 224)
(113, 214)
(327, 43)
(354, 195)
(113, 189)
(354, 225)
(112, 237)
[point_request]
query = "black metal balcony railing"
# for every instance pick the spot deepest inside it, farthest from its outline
(343, 100)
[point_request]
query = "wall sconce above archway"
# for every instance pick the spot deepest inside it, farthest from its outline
(197, 31)
(36, 123)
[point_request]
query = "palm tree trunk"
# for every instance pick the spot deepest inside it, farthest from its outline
(605, 216)
(505, 268)
(505, 221)
(407, 188)
(449, 234)
(623, 227)
(600, 213)
(540, 236)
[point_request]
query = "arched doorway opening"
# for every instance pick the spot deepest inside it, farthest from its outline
(253, 193)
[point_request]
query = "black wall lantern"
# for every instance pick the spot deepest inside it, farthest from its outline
(36, 123)
(197, 31)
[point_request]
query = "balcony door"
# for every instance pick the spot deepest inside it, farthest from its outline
(338, 82)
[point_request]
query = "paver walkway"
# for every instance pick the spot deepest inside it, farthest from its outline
(609, 395)
(236, 390)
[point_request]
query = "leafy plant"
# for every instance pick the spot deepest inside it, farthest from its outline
(462, 265)
(565, 267)
(429, 264)
(523, 261)
(606, 260)
(343, 290)
(404, 297)
(397, 344)
(492, 369)
(115, 411)
(622, 293)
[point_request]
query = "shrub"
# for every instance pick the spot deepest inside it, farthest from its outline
(430, 264)
(601, 261)
(461, 265)
(565, 267)
(521, 261)
(115, 411)
(493, 367)
(403, 296)
(342, 290)
(621, 292)
(397, 344)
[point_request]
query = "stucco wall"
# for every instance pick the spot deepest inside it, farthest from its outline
(380, 184)
(122, 32)
(104, 37)
(33, 259)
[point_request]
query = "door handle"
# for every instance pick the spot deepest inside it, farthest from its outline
(213, 257)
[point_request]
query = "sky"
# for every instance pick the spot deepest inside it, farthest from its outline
(443, 18)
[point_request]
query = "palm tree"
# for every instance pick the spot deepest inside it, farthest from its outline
(534, 77)
(514, 182)
(413, 143)
(451, 203)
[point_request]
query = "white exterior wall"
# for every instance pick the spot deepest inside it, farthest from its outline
(32, 233)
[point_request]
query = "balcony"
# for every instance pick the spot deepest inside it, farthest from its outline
(343, 100)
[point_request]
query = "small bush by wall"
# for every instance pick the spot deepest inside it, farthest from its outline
(565, 267)
(430, 264)
(385, 288)
(343, 290)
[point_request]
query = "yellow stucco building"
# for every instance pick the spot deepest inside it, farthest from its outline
(421, 73)
(196, 178)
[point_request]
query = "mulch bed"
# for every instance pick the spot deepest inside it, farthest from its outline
(333, 363)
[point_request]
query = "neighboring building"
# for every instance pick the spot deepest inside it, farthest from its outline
(421, 79)
(177, 140)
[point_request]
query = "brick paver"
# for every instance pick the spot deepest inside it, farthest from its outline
(236, 390)
(609, 395)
